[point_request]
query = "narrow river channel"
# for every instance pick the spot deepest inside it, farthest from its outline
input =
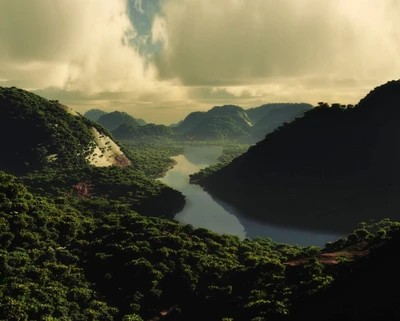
(202, 210)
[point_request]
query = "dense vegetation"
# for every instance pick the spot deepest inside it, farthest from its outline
(112, 121)
(220, 122)
(59, 262)
(79, 242)
(149, 133)
(34, 128)
(333, 167)
(43, 128)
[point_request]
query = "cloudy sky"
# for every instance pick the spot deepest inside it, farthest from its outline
(161, 59)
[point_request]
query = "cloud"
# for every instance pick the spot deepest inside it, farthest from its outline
(73, 45)
(81, 51)
(235, 42)
(162, 59)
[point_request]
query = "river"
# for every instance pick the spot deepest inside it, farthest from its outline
(202, 210)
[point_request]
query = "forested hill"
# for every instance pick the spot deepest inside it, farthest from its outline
(147, 133)
(94, 114)
(113, 120)
(37, 132)
(330, 169)
(220, 122)
(60, 153)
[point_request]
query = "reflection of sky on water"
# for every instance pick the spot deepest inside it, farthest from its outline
(202, 210)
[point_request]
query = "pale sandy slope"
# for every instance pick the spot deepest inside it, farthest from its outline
(106, 152)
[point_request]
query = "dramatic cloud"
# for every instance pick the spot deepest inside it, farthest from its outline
(162, 59)
(235, 42)
(74, 45)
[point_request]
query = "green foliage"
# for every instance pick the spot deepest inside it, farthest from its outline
(218, 123)
(113, 120)
(150, 133)
(35, 128)
(73, 246)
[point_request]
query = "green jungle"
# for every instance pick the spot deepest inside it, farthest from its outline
(87, 230)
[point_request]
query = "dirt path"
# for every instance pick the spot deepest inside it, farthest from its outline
(354, 251)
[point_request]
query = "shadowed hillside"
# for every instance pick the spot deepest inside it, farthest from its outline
(38, 132)
(328, 170)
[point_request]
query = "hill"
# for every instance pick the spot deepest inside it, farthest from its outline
(176, 124)
(59, 153)
(47, 133)
(113, 120)
(267, 118)
(220, 122)
(328, 170)
(257, 113)
(364, 291)
(94, 114)
(149, 133)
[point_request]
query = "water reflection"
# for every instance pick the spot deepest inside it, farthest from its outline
(202, 210)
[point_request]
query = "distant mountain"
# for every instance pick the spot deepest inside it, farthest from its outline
(176, 124)
(150, 133)
(327, 170)
(94, 114)
(257, 113)
(220, 122)
(268, 117)
(38, 132)
(113, 120)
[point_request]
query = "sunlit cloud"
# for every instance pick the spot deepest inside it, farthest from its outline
(160, 60)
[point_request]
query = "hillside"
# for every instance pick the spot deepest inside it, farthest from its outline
(149, 133)
(47, 133)
(328, 170)
(59, 153)
(113, 120)
(220, 122)
(267, 118)
(366, 291)
(94, 114)
(256, 114)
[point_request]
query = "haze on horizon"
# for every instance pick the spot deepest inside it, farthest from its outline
(162, 59)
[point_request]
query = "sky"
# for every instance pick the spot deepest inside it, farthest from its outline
(162, 59)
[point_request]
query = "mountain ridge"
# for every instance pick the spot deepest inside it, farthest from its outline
(343, 158)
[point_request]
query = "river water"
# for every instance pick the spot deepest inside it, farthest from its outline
(202, 210)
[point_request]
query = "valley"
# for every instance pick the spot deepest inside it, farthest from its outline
(203, 210)
(199, 160)
(160, 224)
